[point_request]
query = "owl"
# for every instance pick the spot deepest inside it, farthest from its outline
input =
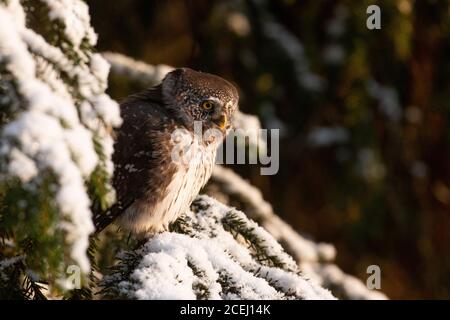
(160, 160)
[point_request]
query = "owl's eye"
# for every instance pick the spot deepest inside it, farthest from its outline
(207, 105)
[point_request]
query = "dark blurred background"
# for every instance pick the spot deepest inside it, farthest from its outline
(364, 115)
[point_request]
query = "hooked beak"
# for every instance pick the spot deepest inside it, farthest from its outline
(222, 122)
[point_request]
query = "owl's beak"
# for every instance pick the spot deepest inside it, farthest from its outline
(222, 121)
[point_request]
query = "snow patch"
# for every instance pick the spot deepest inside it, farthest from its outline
(49, 134)
(210, 259)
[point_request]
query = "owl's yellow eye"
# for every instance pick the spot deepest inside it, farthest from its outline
(207, 105)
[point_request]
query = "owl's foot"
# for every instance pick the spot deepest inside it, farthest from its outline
(165, 227)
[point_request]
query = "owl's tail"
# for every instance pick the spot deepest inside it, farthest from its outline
(103, 219)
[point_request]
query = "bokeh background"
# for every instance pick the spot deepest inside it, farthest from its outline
(364, 115)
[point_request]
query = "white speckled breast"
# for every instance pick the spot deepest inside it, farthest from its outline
(185, 185)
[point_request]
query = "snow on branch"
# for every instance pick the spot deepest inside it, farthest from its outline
(138, 71)
(59, 129)
(55, 166)
(315, 260)
(242, 194)
(213, 252)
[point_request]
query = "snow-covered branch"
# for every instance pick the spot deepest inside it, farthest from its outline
(315, 260)
(57, 134)
(134, 70)
(55, 166)
(213, 252)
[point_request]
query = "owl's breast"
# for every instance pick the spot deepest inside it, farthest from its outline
(189, 179)
(194, 165)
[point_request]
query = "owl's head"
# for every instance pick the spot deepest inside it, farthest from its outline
(197, 96)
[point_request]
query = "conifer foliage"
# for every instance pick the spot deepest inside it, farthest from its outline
(213, 252)
(55, 142)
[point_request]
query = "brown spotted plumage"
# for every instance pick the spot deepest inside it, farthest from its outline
(152, 189)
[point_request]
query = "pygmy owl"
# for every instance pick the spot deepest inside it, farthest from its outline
(155, 181)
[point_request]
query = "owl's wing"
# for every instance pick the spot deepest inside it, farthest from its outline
(142, 165)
